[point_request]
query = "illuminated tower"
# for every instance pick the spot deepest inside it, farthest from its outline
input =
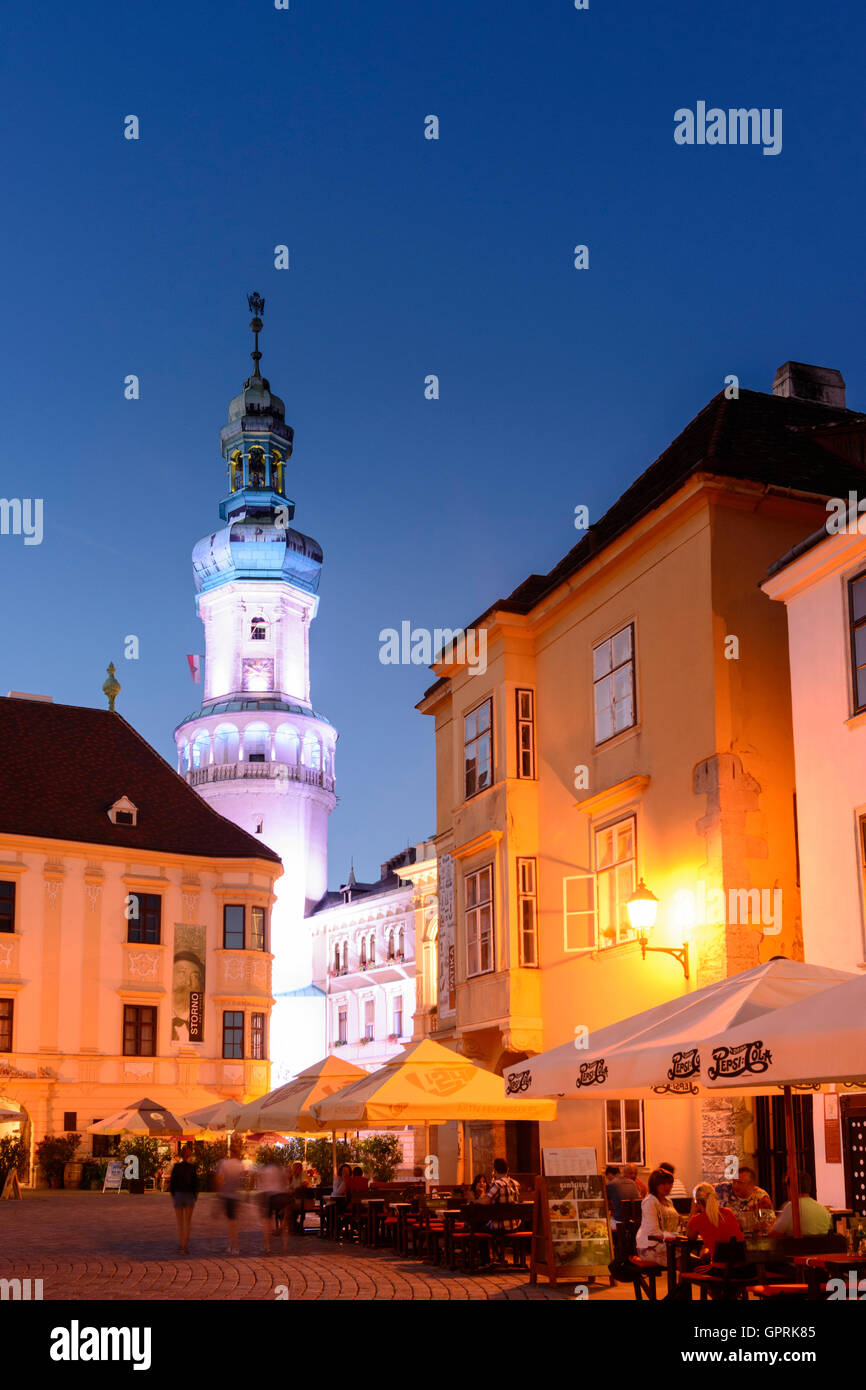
(256, 749)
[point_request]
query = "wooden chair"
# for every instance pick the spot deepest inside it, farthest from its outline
(645, 1277)
(728, 1279)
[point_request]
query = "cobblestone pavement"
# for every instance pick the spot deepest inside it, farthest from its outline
(108, 1246)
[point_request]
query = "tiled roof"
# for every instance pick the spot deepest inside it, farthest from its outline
(63, 766)
(775, 440)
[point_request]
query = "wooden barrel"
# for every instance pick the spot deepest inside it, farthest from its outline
(72, 1174)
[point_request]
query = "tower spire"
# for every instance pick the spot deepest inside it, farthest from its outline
(257, 306)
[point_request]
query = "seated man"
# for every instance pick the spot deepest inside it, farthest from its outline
(815, 1220)
(749, 1203)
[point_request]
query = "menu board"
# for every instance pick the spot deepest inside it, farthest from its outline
(565, 1162)
(113, 1176)
(572, 1227)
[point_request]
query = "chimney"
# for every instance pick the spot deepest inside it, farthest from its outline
(806, 383)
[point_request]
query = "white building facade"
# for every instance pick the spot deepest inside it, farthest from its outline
(822, 582)
(256, 749)
(364, 951)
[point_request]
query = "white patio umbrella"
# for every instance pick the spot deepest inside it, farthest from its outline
(811, 1043)
(659, 1051)
(220, 1118)
(145, 1117)
(11, 1117)
(287, 1110)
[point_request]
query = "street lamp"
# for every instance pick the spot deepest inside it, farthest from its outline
(642, 907)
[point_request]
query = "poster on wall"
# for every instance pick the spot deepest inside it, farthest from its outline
(559, 1161)
(188, 981)
(447, 982)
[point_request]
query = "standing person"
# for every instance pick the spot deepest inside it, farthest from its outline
(298, 1189)
(229, 1172)
(183, 1186)
(658, 1218)
(271, 1184)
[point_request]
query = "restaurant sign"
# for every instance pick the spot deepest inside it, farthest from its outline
(447, 980)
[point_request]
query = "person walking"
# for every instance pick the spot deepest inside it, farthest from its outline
(229, 1172)
(271, 1183)
(183, 1186)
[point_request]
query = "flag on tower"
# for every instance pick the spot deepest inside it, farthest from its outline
(195, 668)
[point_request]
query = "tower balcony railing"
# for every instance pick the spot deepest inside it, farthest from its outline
(276, 772)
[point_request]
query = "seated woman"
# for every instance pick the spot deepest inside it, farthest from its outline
(357, 1184)
(479, 1188)
(340, 1190)
(711, 1223)
(658, 1217)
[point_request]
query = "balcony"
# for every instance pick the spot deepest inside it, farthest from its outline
(276, 772)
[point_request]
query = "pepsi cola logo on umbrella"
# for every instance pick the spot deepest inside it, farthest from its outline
(685, 1064)
(518, 1081)
(737, 1061)
(592, 1073)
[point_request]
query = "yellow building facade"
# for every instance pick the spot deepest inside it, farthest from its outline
(633, 722)
(134, 929)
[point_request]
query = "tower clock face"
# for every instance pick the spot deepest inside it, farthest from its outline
(258, 673)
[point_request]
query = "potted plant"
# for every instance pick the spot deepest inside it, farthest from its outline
(13, 1155)
(53, 1153)
(149, 1160)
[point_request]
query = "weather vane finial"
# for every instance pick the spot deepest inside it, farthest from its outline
(257, 305)
(112, 687)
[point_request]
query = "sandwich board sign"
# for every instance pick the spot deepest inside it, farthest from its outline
(571, 1232)
(113, 1176)
(11, 1187)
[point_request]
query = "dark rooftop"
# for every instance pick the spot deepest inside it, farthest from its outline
(788, 444)
(64, 766)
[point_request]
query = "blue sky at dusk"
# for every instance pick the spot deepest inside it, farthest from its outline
(408, 257)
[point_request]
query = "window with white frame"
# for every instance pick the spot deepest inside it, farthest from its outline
(615, 863)
(397, 1025)
(525, 733)
(624, 1131)
(369, 1019)
(478, 749)
(527, 911)
(578, 913)
(478, 890)
(613, 684)
(343, 1023)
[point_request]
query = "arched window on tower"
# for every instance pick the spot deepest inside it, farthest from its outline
(277, 471)
(401, 942)
(257, 466)
(372, 949)
(258, 630)
(390, 943)
(363, 950)
(236, 471)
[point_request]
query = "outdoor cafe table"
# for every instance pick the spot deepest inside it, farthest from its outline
(402, 1210)
(816, 1265)
(374, 1208)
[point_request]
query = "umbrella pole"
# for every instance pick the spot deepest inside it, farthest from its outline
(790, 1144)
(334, 1151)
(461, 1152)
(426, 1155)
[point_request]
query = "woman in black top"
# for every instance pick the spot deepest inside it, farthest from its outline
(183, 1186)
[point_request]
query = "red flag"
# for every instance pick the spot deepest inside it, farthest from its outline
(195, 668)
